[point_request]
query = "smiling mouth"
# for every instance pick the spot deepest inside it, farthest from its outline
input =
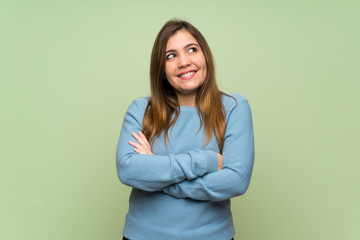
(187, 75)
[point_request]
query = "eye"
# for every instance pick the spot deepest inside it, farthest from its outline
(192, 50)
(170, 56)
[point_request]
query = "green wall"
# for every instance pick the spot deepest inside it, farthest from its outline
(69, 70)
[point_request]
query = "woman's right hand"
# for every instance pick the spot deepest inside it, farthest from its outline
(142, 146)
(220, 161)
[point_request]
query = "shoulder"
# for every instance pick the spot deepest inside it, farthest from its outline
(233, 100)
(137, 107)
(139, 103)
(236, 106)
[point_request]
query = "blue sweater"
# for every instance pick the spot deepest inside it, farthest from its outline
(177, 193)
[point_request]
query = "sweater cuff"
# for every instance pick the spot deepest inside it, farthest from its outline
(212, 161)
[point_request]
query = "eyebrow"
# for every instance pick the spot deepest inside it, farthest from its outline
(188, 45)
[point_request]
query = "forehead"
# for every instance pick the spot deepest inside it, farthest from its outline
(180, 39)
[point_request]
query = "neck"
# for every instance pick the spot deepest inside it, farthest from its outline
(186, 100)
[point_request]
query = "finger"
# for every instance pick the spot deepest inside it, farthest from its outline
(140, 151)
(139, 139)
(139, 148)
(145, 140)
(220, 161)
(142, 146)
(136, 145)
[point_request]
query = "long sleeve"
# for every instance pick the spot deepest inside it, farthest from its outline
(154, 172)
(238, 158)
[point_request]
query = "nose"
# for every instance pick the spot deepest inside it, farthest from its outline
(183, 61)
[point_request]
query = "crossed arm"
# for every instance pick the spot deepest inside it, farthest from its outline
(198, 174)
(142, 146)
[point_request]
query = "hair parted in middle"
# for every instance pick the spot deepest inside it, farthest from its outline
(163, 102)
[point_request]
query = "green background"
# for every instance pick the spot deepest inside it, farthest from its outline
(70, 69)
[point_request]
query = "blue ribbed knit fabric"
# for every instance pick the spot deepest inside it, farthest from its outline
(177, 193)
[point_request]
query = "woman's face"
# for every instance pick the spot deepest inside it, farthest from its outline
(185, 66)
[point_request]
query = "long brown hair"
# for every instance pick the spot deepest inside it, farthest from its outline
(163, 102)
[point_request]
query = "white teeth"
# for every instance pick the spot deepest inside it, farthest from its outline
(187, 74)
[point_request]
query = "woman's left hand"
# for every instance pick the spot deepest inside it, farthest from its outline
(142, 146)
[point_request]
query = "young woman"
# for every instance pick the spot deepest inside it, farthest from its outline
(187, 149)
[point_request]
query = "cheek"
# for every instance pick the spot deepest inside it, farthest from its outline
(204, 72)
(201, 62)
(168, 70)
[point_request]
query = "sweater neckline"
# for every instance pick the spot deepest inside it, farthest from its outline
(187, 108)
